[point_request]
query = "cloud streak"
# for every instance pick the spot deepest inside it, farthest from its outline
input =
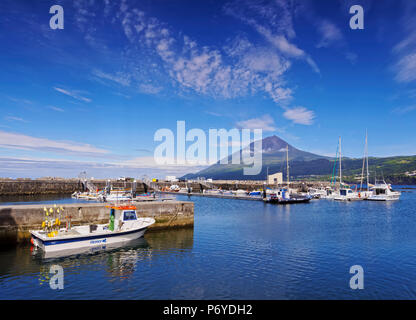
(266, 123)
(10, 140)
(300, 115)
(405, 50)
(72, 94)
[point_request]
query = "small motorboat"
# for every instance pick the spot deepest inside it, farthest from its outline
(123, 226)
(346, 194)
(240, 193)
(174, 188)
(318, 193)
(212, 191)
(116, 197)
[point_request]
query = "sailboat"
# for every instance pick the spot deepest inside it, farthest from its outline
(345, 193)
(283, 195)
(364, 194)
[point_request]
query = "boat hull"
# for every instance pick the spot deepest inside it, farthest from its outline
(85, 241)
(288, 201)
(384, 198)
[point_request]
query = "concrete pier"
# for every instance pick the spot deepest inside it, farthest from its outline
(223, 196)
(9, 187)
(17, 220)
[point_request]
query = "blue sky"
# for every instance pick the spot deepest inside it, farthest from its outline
(91, 96)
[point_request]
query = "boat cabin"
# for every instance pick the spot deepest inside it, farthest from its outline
(345, 192)
(122, 217)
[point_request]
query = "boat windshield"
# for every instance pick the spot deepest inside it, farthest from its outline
(129, 215)
(380, 191)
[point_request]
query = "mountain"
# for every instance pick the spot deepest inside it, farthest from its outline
(309, 165)
(273, 157)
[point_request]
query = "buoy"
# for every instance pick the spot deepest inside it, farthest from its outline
(31, 240)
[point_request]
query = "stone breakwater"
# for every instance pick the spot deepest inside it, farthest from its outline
(36, 187)
(17, 220)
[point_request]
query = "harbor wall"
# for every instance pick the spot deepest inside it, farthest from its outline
(69, 186)
(17, 220)
(63, 186)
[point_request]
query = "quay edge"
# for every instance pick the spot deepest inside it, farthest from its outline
(17, 220)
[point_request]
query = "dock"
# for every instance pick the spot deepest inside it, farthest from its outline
(17, 220)
(222, 196)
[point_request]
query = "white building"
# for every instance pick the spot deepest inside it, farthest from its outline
(171, 179)
(276, 178)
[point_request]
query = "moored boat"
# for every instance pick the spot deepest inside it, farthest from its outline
(282, 196)
(124, 225)
(383, 192)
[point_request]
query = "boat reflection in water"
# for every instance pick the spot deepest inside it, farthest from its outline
(80, 252)
(121, 259)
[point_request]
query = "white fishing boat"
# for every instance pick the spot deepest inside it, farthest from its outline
(383, 192)
(240, 192)
(183, 190)
(116, 197)
(174, 188)
(124, 225)
(212, 191)
(318, 193)
(346, 194)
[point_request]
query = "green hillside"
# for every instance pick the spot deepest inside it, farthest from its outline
(308, 166)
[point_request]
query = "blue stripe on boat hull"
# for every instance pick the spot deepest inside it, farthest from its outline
(55, 242)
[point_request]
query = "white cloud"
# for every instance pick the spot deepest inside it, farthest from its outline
(274, 22)
(404, 110)
(330, 34)
(266, 123)
(300, 115)
(72, 94)
(149, 88)
(405, 50)
(40, 167)
(406, 68)
(56, 109)
(13, 118)
(11, 140)
(239, 68)
(120, 78)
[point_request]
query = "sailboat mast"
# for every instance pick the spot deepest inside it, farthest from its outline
(287, 164)
(366, 156)
(340, 164)
(362, 169)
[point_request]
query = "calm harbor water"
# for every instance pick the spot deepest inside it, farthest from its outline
(240, 250)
